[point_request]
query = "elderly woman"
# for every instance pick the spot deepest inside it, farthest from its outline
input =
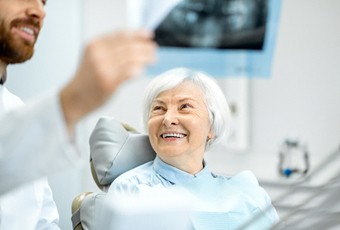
(185, 114)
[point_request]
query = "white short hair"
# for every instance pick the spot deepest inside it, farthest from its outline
(218, 109)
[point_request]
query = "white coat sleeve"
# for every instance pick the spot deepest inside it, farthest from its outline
(34, 143)
(48, 216)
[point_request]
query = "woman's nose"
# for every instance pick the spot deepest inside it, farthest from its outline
(36, 9)
(170, 118)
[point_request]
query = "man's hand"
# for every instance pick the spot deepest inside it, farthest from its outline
(107, 62)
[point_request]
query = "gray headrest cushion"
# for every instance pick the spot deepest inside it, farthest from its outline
(114, 150)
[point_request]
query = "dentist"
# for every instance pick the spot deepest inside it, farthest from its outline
(37, 139)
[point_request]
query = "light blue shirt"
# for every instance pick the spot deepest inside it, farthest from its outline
(223, 202)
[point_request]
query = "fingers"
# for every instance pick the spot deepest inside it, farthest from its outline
(135, 35)
(106, 63)
(135, 55)
(131, 46)
(140, 34)
(120, 56)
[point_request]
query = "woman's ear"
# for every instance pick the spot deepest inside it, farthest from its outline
(210, 136)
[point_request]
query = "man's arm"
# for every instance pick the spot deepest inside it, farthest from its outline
(36, 140)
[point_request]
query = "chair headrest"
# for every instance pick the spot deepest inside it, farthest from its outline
(115, 150)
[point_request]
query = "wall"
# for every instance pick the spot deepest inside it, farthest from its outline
(300, 100)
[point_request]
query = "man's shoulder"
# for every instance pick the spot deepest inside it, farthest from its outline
(10, 100)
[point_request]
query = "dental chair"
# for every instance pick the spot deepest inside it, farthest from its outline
(114, 149)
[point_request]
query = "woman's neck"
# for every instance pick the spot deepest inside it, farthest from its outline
(190, 165)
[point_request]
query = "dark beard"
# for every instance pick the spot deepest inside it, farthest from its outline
(11, 50)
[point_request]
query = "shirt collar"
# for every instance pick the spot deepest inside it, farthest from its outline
(3, 77)
(177, 176)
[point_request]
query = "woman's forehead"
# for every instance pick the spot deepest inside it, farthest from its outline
(185, 89)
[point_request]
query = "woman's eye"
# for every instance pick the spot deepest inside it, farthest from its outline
(186, 106)
(158, 108)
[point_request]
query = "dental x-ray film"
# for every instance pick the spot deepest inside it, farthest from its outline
(223, 37)
(236, 24)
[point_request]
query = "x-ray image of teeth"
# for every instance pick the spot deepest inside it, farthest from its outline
(225, 24)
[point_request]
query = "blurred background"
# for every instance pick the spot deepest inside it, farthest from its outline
(299, 101)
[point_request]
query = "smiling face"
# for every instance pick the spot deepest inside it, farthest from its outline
(179, 127)
(20, 24)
